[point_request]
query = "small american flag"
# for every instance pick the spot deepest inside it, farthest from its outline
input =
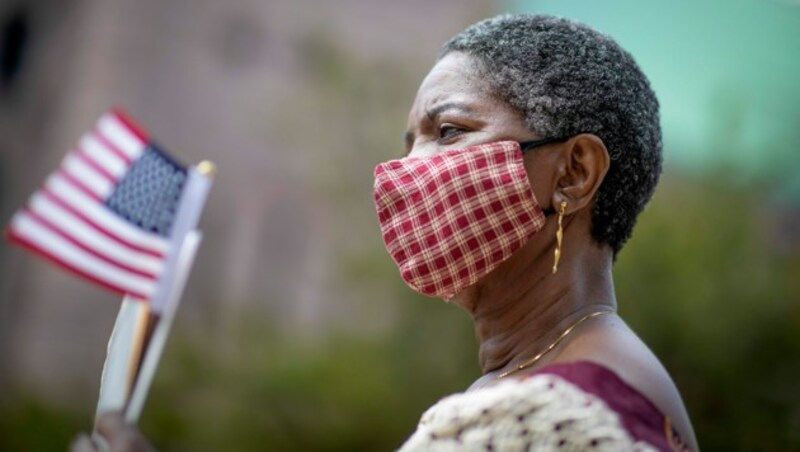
(107, 211)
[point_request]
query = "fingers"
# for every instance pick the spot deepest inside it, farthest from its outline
(111, 424)
(82, 443)
(121, 436)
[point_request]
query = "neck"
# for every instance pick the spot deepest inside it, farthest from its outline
(521, 309)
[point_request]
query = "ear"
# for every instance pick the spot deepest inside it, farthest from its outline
(583, 167)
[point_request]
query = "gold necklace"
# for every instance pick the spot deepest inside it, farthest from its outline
(560, 338)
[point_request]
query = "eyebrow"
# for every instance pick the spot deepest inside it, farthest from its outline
(433, 113)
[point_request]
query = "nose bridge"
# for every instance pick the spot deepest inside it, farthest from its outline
(423, 149)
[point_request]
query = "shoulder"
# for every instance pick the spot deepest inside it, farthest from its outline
(613, 347)
(638, 414)
(548, 410)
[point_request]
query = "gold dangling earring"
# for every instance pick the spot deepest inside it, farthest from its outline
(559, 235)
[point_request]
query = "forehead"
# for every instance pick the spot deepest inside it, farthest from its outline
(454, 78)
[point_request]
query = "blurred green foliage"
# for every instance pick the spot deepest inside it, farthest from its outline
(699, 281)
(710, 286)
(30, 423)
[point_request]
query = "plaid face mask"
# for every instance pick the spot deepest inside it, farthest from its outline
(450, 219)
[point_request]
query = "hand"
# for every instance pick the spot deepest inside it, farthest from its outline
(118, 434)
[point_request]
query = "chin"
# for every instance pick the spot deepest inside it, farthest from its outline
(465, 299)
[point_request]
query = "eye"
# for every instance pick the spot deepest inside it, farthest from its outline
(447, 131)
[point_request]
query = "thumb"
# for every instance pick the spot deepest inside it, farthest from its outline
(82, 443)
(121, 436)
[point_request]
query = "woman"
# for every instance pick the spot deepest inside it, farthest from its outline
(532, 146)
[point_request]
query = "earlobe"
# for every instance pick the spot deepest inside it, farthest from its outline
(586, 162)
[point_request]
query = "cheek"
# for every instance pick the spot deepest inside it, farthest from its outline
(428, 150)
(541, 179)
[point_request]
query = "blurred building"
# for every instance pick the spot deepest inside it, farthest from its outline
(293, 99)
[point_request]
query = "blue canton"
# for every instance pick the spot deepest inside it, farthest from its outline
(148, 194)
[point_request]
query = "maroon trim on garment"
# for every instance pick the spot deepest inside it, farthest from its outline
(641, 418)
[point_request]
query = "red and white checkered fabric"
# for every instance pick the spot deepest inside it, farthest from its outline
(449, 219)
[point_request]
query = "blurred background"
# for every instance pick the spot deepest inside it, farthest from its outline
(296, 332)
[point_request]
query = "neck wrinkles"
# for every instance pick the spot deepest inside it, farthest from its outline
(519, 313)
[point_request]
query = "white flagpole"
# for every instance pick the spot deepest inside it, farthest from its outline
(185, 240)
(159, 339)
(123, 354)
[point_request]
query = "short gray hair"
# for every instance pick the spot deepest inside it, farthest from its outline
(565, 79)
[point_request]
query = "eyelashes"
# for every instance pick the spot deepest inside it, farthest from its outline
(448, 132)
(445, 134)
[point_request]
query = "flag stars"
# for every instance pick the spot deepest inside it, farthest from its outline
(149, 192)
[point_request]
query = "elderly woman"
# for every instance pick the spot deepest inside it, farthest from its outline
(532, 146)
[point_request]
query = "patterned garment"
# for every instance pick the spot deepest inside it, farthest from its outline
(564, 407)
(449, 219)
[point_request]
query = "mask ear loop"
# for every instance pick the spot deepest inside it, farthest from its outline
(525, 146)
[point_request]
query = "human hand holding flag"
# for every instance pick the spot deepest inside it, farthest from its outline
(121, 213)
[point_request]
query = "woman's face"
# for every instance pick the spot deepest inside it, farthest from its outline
(455, 109)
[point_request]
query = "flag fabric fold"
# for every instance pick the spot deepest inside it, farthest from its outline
(106, 213)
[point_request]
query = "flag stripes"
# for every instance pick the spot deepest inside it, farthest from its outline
(111, 147)
(36, 237)
(111, 162)
(94, 165)
(121, 131)
(106, 220)
(153, 248)
(45, 211)
(69, 221)
(81, 173)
